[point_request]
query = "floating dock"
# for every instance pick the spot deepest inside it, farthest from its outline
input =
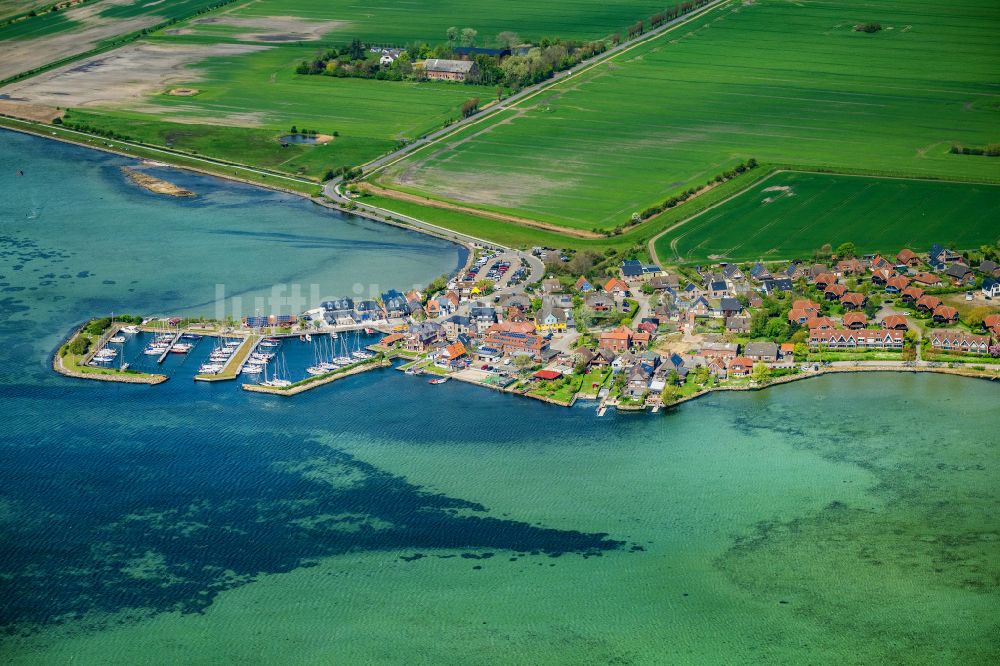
(163, 356)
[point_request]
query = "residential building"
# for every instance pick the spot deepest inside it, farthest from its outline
(517, 343)
(863, 339)
(908, 257)
(550, 319)
(945, 314)
(960, 341)
(855, 320)
(766, 352)
(991, 287)
(619, 340)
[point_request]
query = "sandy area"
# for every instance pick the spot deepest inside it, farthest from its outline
(183, 92)
(121, 77)
(21, 55)
(271, 28)
(155, 185)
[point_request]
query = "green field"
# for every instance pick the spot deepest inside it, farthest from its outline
(247, 101)
(785, 83)
(791, 214)
(408, 21)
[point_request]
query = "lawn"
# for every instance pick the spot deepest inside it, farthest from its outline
(785, 83)
(791, 214)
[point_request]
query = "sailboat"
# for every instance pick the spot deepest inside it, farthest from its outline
(275, 381)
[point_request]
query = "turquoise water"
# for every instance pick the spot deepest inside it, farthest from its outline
(379, 519)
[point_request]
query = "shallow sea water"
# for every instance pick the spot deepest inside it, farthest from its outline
(841, 520)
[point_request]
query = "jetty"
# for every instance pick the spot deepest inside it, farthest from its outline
(166, 352)
(234, 366)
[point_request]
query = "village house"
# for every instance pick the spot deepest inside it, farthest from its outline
(637, 384)
(939, 257)
(616, 288)
(824, 280)
(912, 294)
(927, 279)
(457, 325)
(989, 268)
(834, 292)
(550, 319)
(960, 341)
(991, 287)
(853, 300)
(880, 263)
(896, 285)
(421, 336)
(619, 340)
(551, 286)
(367, 310)
(881, 276)
(820, 323)
(740, 366)
(452, 357)
(855, 320)
(717, 289)
(339, 311)
(510, 343)
(765, 352)
(771, 286)
(599, 302)
(928, 303)
(730, 307)
(849, 267)
(908, 258)
(583, 285)
(661, 282)
(992, 323)
(394, 304)
(737, 324)
(945, 314)
(894, 322)
(438, 69)
(725, 351)
(863, 339)
(960, 273)
(483, 315)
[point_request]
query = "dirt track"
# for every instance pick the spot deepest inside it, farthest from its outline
(524, 222)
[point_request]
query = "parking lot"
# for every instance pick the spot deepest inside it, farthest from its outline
(503, 269)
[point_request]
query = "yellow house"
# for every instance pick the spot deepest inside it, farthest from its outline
(550, 320)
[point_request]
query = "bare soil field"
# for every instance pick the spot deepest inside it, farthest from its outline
(21, 55)
(269, 28)
(121, 78)
(34, 112)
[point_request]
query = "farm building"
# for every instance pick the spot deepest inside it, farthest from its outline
(450, 70)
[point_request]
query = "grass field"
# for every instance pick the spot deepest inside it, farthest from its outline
(408, 21)
(791, 214)
(247, 101)
(785, 83)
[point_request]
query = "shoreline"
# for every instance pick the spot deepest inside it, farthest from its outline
(318, 200)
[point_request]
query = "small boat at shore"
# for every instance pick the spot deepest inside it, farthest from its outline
(181, 348)
(118, 339)
(439, 380)
(131, 330)
(369, 331)
(191, 336)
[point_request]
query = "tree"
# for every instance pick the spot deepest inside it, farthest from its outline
(469, 37)
(801, 351)
(508, 39)
(485, 286)
(761, 373)
(523, 362)
(847, 250)
(470, 106)
(776, 329)
(673, 377)
(452, 33)
(701, 375)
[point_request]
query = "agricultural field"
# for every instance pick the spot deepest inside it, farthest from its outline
(791, 214)
(223, 84)
(784, 83)
(53, 36)
(407, 21)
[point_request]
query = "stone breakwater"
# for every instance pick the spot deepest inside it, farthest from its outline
(120, 377)
(310, 384)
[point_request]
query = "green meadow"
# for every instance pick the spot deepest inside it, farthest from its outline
(785, 83)
(409, 21)
(791, 214)
(246, 102)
